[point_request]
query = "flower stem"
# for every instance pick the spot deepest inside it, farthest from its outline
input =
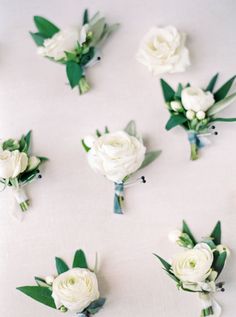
(119, 198)
(207, 311)
(83, 85)
(194, 151)
(24, 205)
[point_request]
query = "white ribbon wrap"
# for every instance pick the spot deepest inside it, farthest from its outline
(19, 194)
(207, 300)
(19, 198)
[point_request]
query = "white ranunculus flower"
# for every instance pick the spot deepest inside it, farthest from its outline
(116, 155)
(76, 289)
(163, 51)
(196, 99)
(64, 40)
(193, 265)
(12, 163)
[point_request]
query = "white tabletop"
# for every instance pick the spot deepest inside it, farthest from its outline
(72, 206)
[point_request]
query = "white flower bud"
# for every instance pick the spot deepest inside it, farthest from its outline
(49, 279)
(190, 114)
(223, 248)
(201, 115)
(174, 235)
(176, 105)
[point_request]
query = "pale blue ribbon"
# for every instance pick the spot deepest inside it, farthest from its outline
(81, 315)
(195, 138)
(119, 198)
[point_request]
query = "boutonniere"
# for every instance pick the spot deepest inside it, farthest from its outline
(194, 109)
(117, 156)
(18, 167)
(198, 267)
(74, 289)
(76, 47)
(163, 50)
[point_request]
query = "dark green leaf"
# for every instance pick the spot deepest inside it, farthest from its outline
(98, 133)
(27, 139)
(95, 306)
(38, 38)
(185, 229)
(179, 91)
(223, 119)
(220, 262)
(168, 92)
(74, 73)
(43, 158)
(216, 233)
(106, 130)
(45, 27)
(85, 58)
(85, 17)
(23, 145)
(40, 281)
(61, 266)
(38, 293)
(85, 146)
(149, 158)
(175, 120)
(166, 265)
(80, 260)
(28, 176)
(223, 90)
(212, 83)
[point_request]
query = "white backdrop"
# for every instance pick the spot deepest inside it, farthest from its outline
(72, 206)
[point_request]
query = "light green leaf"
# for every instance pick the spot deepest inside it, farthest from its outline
(38, 38)
(223, 119)
(168, 92)
(212, 83)
(223, 90)
(61, 266)
(216, 233)
(45, 27)
(131, 128)
(95, 306)
(74, 73)
(38, 293)
(97, 30)
(220, 105)
(166, 265)
(80, 260)
(185, 229)
(149, 158)
(175, 120)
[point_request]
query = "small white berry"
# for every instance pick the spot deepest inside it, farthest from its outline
(201, 115)
(190, 114)
(49, 279)
(176, 105)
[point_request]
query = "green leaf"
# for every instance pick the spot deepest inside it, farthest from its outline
(70, 56)
(220, 262)
(97, 30)
(40, 281)
(61, 266)
(149, 158)
(131, 128)
(108, 30)
(106, 130)
(185, 229)
(223, 119)
(23, 144)
(220, 105)
(27, 139)
(28, 176)
(98, 133)
(80, 260)
(38, 38)
(38, 293)
(95, 306)
(43, 158)
(179, 91)
(216, 233)
(212, 83)
(85, 17)
(45, 27)
(10, 145)
(74, 73)
(166, 265)
(223, 90)
(85, 58)
(85, 146)
(168, 92)
(175, 120)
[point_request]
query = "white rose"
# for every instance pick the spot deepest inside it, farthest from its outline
(12, 163)
(163, 51)
(174, 235)
(76, 289)
(196, 99)
(194, 265)
(64, 40)
(116, 155)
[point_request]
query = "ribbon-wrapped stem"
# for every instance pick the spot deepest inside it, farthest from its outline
(119, 198)
(209, 305)
(194, 143)
(21, 198)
